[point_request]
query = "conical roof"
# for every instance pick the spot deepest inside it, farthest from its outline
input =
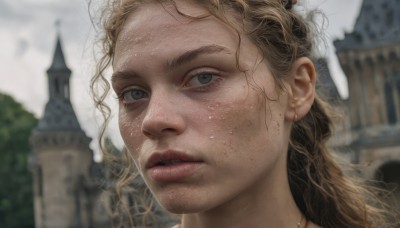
(59, 114)
(58, 58)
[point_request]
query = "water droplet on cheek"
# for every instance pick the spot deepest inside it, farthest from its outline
(210, 117)
(212, 137)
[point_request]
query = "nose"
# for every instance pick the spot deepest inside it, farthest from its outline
(163, 117)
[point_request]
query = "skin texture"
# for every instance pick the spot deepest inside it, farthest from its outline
(237, 123)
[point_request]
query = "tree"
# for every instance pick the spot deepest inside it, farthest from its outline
(16, 197)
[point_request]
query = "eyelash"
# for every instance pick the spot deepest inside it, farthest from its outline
(214, 81)
(121, 96)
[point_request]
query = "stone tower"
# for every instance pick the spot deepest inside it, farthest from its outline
(370, 58)
(61, 156)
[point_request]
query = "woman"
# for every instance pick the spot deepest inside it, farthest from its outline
(218, 110)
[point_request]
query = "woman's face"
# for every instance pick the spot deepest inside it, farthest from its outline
(202, 132)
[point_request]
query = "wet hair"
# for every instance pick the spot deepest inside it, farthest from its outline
(322, 191)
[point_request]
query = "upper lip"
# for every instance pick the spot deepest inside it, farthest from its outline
(168, 157)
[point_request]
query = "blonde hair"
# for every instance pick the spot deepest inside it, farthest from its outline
(322, 191)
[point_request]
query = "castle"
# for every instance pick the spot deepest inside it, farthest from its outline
(370, 58)
(66, 192)
(70, 188)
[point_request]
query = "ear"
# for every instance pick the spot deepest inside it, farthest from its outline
(302, 89)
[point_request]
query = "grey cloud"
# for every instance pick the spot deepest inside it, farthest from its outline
(22, 47)
(10, 13)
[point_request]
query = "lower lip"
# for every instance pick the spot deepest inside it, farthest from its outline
(174, 173)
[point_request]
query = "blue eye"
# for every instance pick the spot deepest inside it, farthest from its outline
(201, 79)
(204, 78)
(133, 95)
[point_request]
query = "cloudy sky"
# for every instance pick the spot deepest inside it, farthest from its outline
(28, 36)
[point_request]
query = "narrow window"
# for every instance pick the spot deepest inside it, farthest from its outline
(56, 86)
(390, 106)
(66, 91)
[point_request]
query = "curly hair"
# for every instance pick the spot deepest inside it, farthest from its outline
(322, 191)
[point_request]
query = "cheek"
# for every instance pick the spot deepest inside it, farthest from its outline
(246, 127)
(236, 122)
(130, 129)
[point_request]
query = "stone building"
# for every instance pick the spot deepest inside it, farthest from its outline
(65, 193)
(370, 58)
(70, 189)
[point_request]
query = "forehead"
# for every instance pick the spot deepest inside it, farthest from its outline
(155, 27)
(156, 18)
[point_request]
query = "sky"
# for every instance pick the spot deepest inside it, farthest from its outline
(28, 38)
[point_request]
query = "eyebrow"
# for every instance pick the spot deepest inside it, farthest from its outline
(193, 54)
(123, 75)
(184, 58)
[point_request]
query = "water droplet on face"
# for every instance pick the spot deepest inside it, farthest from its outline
(212, 137)
(210, 117)
(231, 132)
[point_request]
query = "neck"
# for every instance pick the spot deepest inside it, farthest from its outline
(260, 206)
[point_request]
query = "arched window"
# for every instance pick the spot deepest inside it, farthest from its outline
(389, 172)
(389, 178)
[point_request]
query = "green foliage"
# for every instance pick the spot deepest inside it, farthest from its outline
(16, 197)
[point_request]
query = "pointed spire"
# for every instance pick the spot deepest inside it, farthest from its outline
(59, 114)
(58, 58)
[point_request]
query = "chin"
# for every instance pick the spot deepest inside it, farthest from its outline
(181, 207)
(177, 204)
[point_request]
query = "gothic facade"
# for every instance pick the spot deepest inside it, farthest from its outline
(370, 58)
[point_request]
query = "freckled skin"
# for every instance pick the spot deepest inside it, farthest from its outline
(245, 159)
